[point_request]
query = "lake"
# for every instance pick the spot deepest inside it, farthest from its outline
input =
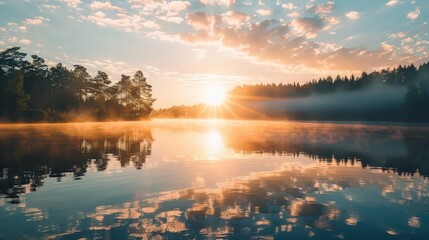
(199, 179)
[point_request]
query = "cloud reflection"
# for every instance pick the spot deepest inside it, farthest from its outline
(290, 200)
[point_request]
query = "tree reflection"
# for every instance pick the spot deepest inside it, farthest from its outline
(404, 150)
(29, 160)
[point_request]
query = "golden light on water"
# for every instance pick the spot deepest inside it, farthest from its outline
(214, 145)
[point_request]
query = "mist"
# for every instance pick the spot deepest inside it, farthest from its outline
(374, 102)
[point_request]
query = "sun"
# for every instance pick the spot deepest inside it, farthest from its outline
(214, 95)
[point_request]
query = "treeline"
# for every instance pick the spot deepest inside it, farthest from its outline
(400, 76)
(376, 96)
(33, 91)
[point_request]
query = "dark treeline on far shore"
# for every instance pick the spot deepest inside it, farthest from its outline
(398, 94)
(30, 91)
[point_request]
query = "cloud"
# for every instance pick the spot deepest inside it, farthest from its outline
(414, 14)
(235, 18)
(22, 28)
(398, 35)
(288, 6)
(178, 6)
(151, 24)
(294, 14)
(2, 43)
(72, 3)
(408, 40)
(387, 47)
(392, 3)
(176, 20)
(125, 22)
(25, 41)
(331, 21)
(49, 7)
(200, 20)
(35, 21)
(353, 15)
(96, 5)
(159, 8)
(322, 8)
(288, 44)
(264, 12)
(225, 3)
(163, 36)
(308, 25)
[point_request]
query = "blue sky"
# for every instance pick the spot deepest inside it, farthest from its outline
(185, 47)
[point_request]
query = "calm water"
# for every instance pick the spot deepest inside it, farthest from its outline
(214, 179)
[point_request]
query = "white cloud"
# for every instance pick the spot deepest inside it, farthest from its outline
(72, 3)
(264, 12)
(176, 20)
(387, 47)
(322, 8)
(392, 3)
(151, 24)
(398, 35)
(22, 28)
(408, 40)
(49, 7)
(294, 14)
(331, 21)
(225, 3)
(177, 6)
(35, 21)
(125, 22)
(235, 18)
(163, 36)
(2, 43)
(288, 6)
(159, 8)
(25, 41)
(353, 15)
(414, 14)
(96, 5)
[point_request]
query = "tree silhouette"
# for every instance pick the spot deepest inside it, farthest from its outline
(57, 93)
(14, 98)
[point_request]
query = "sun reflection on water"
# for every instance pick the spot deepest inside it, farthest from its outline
(214, 145)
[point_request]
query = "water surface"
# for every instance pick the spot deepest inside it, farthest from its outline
(214, 179)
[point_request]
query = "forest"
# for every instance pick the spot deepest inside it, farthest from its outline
(398, 94)
(31, 91)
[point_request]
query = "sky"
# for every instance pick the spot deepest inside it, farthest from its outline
(187, 47)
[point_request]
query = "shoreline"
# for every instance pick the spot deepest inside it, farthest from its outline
(151, 120)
